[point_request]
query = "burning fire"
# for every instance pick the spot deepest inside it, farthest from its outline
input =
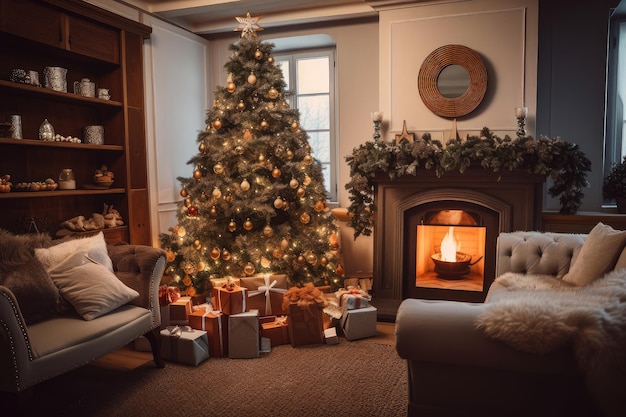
(449, 246)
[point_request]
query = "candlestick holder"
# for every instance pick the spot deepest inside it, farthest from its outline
(377, 118)
(520, 114)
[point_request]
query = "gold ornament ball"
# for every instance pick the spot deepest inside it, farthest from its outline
(183, 193)
(216, 193)
(277, 253)
(289, 154)
(213, 211)
(261, 158)
(245, 185)
(215, 253)
(276, 172)
(258, 55)
(307, 181)
(181, 232)
(270, 59)
(228, 198)
(300, 259)
(200, 266)
(197, 174)
(308, 159)
(197, 245)
(189, 268)
(230, 87)
(284, 244)
(319, 206)
(241, 105)
(226, 255)
(252, 78)
(187, 202)
(232, 226)
(311, 258)
(265, 263)
(300, 193)
(272, 93)
(294, 183)
(218, 168)
(268, 231)
(248, 225)
(264, 124)
(278, 203)
(239, 150)
(217, 124)
(294, 126)
(202, 147)
(305, 218)
(249, 268)
(323, 261)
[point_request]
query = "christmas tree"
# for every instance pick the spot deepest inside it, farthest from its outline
(256, 200)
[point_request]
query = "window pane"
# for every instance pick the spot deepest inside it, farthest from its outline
(284, 66)
(326, 173)
(313, 76)
(314, 112)
(320, 144)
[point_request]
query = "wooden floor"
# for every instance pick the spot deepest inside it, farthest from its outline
(128, 358)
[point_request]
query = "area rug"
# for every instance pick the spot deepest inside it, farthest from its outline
(357, 378)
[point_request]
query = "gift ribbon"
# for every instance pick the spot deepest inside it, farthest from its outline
(177, 331)
(208, 310)
(266, 289)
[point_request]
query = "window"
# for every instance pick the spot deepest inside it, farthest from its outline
(615, 143)
(310, 76)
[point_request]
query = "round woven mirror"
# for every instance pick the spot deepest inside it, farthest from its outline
(473, 91)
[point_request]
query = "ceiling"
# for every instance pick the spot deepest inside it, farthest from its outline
(215, 16)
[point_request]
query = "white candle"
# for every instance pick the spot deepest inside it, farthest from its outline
(377, 116)
(521, 112)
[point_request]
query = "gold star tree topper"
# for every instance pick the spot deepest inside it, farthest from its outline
(248, 25)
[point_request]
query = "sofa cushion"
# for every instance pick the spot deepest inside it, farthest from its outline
(598, 255)
(90, 287)
(95, 246)
(23, 274)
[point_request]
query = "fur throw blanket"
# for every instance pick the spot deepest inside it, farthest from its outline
(540, 314)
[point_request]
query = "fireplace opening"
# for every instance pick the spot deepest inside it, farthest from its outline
(449, 245)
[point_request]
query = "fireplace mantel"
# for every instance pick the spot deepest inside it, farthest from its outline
(516, 197)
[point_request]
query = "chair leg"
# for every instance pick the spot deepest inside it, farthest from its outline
(154, 338)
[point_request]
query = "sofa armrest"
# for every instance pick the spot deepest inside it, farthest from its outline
(438, 331)
(141, 268)
(15, 349)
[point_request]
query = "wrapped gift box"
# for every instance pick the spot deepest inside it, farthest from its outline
(330, 336)
(165, 316)
(180, 311)
(215, 324)
(230, 300)
(351, 299)
(275, 329)
(243, 335)
(359, 323)
(184, 344)
(265, 293)
(305, 324)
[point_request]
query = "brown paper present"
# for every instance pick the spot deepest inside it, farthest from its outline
(218, 282)
(215, 324)
(230, 300)
(243, 335)
(266, 293)
(276, 330)
(184, 344)
(305, 324)
(180, 310)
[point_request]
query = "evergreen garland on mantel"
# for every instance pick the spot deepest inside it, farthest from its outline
(557, 159)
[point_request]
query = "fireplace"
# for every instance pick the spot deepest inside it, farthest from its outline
(415, 214)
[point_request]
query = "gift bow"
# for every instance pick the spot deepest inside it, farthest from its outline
(266, 289)
(168, 295)
(177, 331)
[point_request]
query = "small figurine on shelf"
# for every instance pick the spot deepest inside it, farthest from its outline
(46, 131)
(103, 176)
(5, 184)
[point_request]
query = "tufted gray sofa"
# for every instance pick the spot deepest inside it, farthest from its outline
(455, 370)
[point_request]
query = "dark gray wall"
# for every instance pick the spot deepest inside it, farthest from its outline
(571, 81)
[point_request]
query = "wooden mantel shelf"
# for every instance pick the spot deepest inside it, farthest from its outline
(581, 222)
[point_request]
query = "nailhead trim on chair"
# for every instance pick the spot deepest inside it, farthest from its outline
(16, 377)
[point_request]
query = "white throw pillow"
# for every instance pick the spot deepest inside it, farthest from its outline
(89, 287)
(95, 246)
(597, 256)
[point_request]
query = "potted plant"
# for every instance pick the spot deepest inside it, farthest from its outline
(615, 185)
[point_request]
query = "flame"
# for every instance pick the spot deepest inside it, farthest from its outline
(449, 246)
